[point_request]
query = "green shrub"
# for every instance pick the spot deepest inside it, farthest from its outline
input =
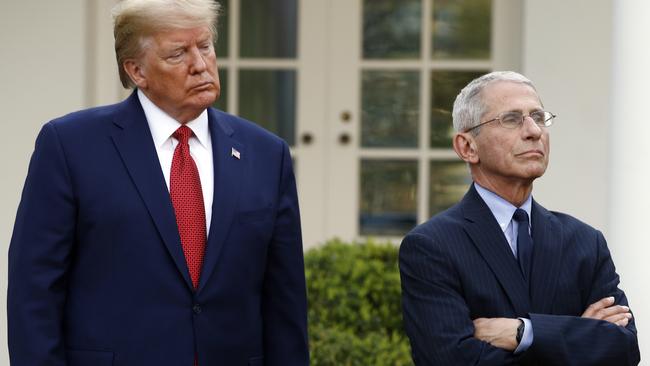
(355, 313)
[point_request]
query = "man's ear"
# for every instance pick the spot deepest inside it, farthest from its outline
(135, 71)
(465, 147)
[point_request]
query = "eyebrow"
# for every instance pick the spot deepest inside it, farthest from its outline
(176, 45)
(536, 109)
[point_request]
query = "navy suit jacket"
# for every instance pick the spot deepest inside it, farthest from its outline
(458, 266)
(97, 275)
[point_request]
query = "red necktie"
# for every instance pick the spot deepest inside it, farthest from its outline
(187, 199)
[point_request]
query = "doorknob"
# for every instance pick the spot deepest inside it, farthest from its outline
(346, 116)
(307, 138)
(344, 138)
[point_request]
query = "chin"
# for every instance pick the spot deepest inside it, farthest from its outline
(536, 173)
(204, 100)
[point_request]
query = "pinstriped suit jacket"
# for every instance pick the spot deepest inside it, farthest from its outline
(458, 266)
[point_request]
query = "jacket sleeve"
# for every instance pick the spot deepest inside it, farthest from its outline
(436, 316)
(284, 299)
(563, 340)
(39, 257)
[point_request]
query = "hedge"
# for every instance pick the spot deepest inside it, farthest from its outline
(355, 314)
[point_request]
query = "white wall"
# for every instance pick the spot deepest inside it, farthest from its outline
(567, 47)
(41, 77)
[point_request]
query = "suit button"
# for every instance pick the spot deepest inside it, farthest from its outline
(196, 309)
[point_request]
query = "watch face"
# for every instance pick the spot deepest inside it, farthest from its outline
(520, 330)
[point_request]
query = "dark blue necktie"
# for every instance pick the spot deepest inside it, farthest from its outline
(524, 243)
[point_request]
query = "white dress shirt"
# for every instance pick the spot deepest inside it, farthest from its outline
(503, 211)
(162, 128)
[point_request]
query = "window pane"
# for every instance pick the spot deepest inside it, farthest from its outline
(222, 30)
(391, 29)
(461, 29)
(268, 97)
(448, 183)
(222, 101)
(268, 28)
(390, 108)
(388, 197)
(445, 85)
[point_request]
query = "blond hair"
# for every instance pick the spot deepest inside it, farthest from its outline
(135, 20)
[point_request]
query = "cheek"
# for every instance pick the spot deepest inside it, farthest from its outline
(214, 71)
(547, 145)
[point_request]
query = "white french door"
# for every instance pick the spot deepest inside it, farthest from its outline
(362, 91)
(394, 70)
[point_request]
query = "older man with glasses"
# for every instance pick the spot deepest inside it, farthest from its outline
(497, 279)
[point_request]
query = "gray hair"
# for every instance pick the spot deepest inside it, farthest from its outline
(135, 20)
(469, 106)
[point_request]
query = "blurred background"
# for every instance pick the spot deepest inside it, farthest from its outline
(362, 91)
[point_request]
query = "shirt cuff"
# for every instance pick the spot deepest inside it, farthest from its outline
(527, 338)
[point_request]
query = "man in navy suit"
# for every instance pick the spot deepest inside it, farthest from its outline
(158, 231)
(497, 279)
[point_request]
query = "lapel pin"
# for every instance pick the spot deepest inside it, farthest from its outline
(235, 153)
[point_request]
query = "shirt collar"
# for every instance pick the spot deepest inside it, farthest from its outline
(500, 208)
(162, 125)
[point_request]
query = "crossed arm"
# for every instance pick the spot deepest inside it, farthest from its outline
(502, 332)
(605, 333)
(439, 324)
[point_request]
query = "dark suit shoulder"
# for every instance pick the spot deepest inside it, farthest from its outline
(574, 229)
(441, 224)
(570, 221)
(85, 129)
(86, 118)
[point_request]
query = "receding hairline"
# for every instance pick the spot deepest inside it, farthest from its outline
(483, 93)
(470, 104)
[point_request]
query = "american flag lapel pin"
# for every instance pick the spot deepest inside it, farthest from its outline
(235, 153)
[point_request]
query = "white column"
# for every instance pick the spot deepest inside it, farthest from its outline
(629, 194)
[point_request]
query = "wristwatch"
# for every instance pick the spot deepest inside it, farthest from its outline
(520, 331)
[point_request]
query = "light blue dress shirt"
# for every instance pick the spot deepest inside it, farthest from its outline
(503, 211)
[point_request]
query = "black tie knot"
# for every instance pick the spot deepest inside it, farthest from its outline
(520, 216)
(183, 134)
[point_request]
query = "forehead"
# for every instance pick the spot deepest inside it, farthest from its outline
(182, 35)
(509, 95)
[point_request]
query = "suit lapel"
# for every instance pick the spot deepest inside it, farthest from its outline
(135, 145)
(228, 175)
(488, 238)
(547, 250)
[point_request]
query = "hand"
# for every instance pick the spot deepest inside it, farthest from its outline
(499, 332)
(605, 309)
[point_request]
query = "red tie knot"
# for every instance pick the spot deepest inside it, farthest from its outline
(183, 134)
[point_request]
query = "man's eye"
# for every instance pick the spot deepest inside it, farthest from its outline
(538, 117)
(511, 118)
(175, 56)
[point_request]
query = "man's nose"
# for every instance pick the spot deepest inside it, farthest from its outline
(531, 129)
(198, 63)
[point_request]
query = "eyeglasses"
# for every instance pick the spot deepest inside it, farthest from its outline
(513, 120)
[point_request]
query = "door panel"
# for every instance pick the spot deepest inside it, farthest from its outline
(362, 90)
